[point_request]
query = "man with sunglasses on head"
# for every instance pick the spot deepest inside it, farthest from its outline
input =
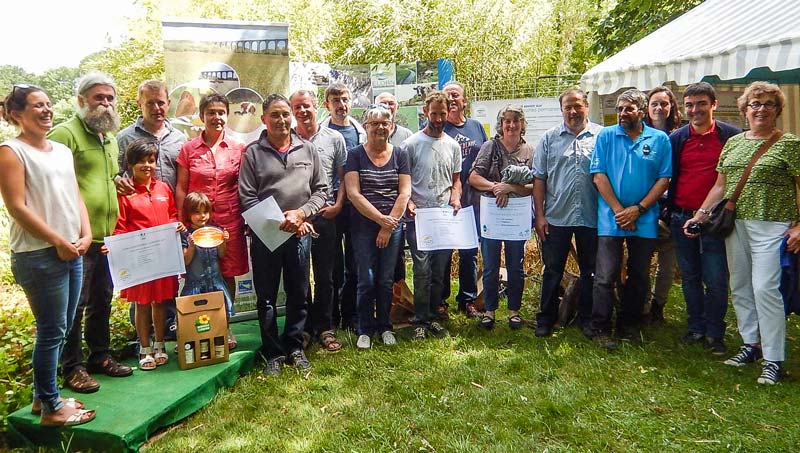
(89, 135)
(631, 166)
(696, 148)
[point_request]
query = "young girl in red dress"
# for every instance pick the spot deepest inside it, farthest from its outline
(151, 204)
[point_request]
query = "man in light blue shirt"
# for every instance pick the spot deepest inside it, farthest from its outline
(631, 164)
(566, 205)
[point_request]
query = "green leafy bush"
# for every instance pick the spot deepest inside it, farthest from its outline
(18, 333)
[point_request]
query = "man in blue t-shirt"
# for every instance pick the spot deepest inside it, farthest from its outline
(469, 135)
(338, 102)
(631, 164)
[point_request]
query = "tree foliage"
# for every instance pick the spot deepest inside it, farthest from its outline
(57, 82)
(632, 20)
(491, 42)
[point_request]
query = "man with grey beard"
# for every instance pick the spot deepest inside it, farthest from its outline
(94, 150)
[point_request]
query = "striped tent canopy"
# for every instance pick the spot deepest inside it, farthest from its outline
(723, 38)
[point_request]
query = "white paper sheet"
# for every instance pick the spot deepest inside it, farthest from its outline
(145, 255)
(512, 223)
(439, 229)
(265, 219)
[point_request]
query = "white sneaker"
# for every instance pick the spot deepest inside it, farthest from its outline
(363, 342)
(389, 338)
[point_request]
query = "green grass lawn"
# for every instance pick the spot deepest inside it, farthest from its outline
(505, 391)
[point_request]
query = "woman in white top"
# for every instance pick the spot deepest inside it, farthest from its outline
(49, 234)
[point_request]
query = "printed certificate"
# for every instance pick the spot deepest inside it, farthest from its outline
(512, 223)
(265, 219)
(145, 255)
(439, 229)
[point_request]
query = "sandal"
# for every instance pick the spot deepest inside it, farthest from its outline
(515, 321)
(80, 381)
(146, 360)
(36, 407)
(232, 343)
(487, 322)
(329, 342)
(79, 417)
(160, 353)
(110, 367)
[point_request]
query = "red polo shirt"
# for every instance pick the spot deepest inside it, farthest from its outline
(698, 168)
(146, 207)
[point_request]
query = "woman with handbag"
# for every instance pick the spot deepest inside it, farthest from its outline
(507, 149)
(759, 171)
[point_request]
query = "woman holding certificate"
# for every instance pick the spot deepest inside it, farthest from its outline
(50, 233)
(378, 181)
(495, 174)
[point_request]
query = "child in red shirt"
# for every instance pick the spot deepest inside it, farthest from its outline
(151, 204)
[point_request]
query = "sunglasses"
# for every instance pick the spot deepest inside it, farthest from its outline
(22, 86)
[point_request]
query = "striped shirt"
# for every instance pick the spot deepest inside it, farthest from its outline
(379, 185)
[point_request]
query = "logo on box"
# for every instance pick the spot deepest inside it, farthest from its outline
(203, 323)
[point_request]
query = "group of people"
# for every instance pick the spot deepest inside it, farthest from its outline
(350, 191)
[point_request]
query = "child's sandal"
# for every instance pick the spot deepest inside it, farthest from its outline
(146, 360)
(160, 353)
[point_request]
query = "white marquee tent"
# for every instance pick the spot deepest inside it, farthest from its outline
(723, 38)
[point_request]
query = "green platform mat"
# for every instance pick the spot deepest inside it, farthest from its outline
(131, 409)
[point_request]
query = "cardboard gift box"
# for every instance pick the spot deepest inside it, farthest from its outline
(202, 330)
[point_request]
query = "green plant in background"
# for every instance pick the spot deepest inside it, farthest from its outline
(18, 333)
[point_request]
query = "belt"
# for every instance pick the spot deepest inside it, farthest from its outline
(686, 212)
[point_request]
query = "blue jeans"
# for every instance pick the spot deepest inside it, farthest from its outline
(345, 280)
(515, 254)
(702, 261)
(555, 250)
(428, 277)
(375, 279)
(53, 288)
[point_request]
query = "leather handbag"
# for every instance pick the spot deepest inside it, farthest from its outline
(722, 215)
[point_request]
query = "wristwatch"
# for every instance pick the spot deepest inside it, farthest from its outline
(641, 208)
(704, 211)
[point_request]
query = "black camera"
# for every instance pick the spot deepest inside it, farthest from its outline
(693, 228)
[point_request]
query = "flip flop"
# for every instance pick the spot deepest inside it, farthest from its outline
(71, 402)
(78, 418)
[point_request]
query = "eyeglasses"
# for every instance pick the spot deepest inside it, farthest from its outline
(767, 105)
(386, 124)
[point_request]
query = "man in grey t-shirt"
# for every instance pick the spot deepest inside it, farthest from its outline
(332, 155)
(435, 161)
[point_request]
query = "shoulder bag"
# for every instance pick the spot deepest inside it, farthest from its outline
(722, 215)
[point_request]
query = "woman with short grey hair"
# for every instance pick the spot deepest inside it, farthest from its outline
(378, 181)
